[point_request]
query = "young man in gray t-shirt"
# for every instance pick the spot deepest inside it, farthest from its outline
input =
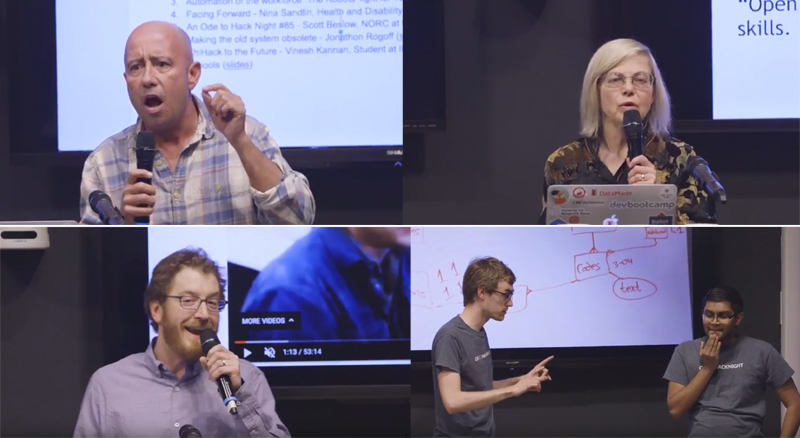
(464, 388)
(720, 380)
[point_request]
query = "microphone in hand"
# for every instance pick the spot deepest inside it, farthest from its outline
(208, 340)
(138, 198)
(633, 127)
(145, 153)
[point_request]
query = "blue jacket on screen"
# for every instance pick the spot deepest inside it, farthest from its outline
(340, 291)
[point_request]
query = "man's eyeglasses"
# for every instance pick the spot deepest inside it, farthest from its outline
(191, 302)
(723, 317)
(506, 295)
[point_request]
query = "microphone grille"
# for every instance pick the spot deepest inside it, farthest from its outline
(96, 196)
(187, 430)
(693, 161)
(632, 120)
(146, 140)
(208, 339)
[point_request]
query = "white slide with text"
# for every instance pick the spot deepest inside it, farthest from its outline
(756, 59)
(318, 73)
(576, 287)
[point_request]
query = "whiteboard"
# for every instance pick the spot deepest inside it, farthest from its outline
(576, 287)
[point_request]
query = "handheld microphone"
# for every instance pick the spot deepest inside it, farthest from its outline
(633, 126)
(145, 151)
(187, 430)
(208, 339)
(698, 167)
(101, 204)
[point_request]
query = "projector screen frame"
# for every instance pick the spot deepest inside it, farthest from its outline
(41, 150)
(576, 357)
(5, 132)
(339, 382)
(126, 328)
(681, 127)
(299, 158)
(623, 18)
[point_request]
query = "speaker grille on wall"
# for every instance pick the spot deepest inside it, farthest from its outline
(16, 235)
(24, 238)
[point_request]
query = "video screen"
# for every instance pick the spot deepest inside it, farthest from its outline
(575, 286)
(756, 59)
(318, 74)
(306, 296)
(731, 59)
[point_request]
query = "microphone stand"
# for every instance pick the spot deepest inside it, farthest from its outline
(713, 197)
(719, 196)
(107, 220)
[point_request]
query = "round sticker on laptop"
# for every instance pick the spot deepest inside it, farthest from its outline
(559, 197)
(579, 192)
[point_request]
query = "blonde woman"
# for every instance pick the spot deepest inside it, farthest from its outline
(623, 76)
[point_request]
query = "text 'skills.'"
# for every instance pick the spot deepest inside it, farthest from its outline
(762, 28)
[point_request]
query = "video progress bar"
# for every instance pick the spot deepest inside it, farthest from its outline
(333, 363)
(316, 341)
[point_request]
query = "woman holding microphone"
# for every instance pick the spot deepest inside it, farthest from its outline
(623, 76)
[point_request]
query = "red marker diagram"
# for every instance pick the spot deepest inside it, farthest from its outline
(592, 231)
(440, 288)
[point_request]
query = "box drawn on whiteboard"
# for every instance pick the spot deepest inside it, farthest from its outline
(656, 232)
(420, 291)
(590, 265)
(592, 230)
(417, 236)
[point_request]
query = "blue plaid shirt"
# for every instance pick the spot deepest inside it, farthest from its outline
(209, 184)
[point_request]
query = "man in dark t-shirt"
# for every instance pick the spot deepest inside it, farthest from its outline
(463, 382)
(720, 380)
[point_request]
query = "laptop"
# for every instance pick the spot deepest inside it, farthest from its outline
(613, 204)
